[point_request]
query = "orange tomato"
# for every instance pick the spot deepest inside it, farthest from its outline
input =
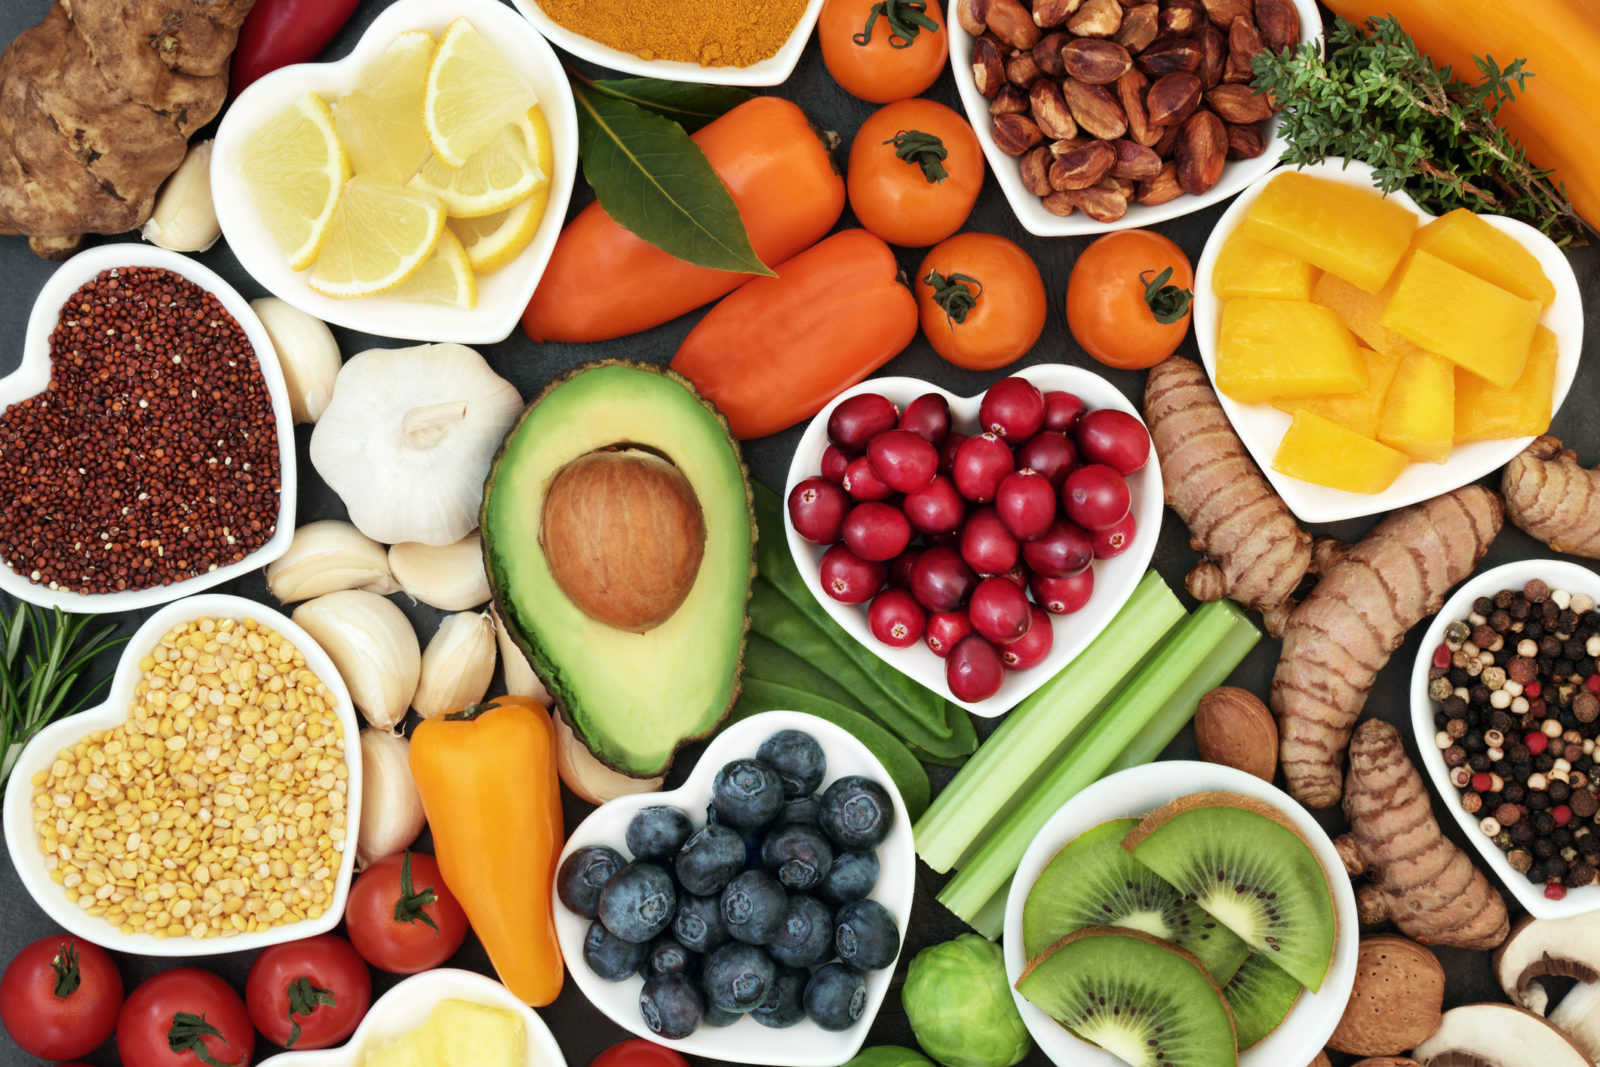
(1123, 307)
(982, 300)
(883, 50)
(915, 171)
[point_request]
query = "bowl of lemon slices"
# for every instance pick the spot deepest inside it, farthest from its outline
(414, 188)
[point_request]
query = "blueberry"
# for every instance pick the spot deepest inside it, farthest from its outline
(806, 810)
(709, 859)
(865, 935)
(853, 876)
(638, 902)
(797, 758)
(698, 925)
(736, 977)
(835, 997)
(746, 794)
(807, 935)
(657, 833)
(666, 955)
(785, 1003)
(753, 907)
(583, 874)
(798, 856)
(609, 956)
(715, 1016)
(857, 813)
(671, 1005)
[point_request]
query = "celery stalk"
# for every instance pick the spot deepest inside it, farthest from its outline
(991, 919)
(1017, 754)
(1195, 659)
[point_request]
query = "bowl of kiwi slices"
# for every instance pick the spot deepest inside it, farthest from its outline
(1181, 906)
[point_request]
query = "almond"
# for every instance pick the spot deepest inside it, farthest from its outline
(1169, 56)
(1134, 161)
(1173, 98)
(1049, 110)
(973, 15)
(1167, 143)
(1130, 92)
(1244, 44)
(1047, 54)
(1213, 56)
(1104, 202)
(1181, 18)
(1279, 22)
(1202, 150)
(1096, 18)
(1015, 134)
(1396, 1002)
(1095, 60)
(1036, 171)
(1234, 728)
(1139, 28)
(1067, 144)
(1238, 104)
(1223, 12)
(1047, 13)
(1245, 142)
(1096, 110)
(1163, 187)
(1012, 23)
(1082, 167)
(1009, 101)
(988, 69)
(1021, 70)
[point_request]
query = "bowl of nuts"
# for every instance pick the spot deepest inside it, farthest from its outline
(1100, 116)
(1505, 701)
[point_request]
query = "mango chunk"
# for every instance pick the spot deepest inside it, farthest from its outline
(1465, 240)
(1325, 453)
(1361, 312)
(1355, 233)
(1485, 412)
(1419, 416)
(1358, 411)
(1285, 348)
(1463, 318)
(1246, 267)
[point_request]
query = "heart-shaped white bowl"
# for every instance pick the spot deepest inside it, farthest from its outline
(23, 841)
(1558, 574)
(33, 375)
(502, 295)
(806, 1044)
(1236, 174)
(1262, 426)
(1114, 579)
(1135, 793)
(407, 1006)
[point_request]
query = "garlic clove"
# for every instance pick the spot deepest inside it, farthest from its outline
(457, 665)
(587, 777)
(520, 679)
(391, 807)
(328, 556)
(185, 218)
(307, 352)
(448, 577)
(372, 644)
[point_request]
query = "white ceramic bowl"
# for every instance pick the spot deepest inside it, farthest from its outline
(1114, 579)
(1262, 426)
(1559, 574)
(502, 295)
(1236, 174)
(407, 1006)
(23, 841)
(770, 71)
(1136, 793)
(33, 375)
(747, 1041)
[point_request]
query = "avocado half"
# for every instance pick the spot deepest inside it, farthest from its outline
(634, 699)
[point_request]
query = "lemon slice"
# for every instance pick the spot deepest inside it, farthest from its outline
(496, 176)
(382, 233)
(446, 278)
(380, 120)
(472, 91)
(296, 167)
(492, 241)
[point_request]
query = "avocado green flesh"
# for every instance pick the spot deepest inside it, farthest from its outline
(632, 698)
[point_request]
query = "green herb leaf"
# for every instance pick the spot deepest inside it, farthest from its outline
(654, 181)
(689, 105)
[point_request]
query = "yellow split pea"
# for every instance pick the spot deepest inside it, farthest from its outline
(219, 807)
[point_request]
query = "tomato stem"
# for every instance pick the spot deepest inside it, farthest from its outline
(68, 976)
(305, 999)
(1167, 303)
(906, 19)
(954, 293)
(409, 908)
(188, 1033)
(926, 150)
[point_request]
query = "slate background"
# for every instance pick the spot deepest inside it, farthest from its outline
(582, 1031)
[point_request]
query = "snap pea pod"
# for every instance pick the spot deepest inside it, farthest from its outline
(769, 661)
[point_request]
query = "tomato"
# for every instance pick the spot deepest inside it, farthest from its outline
(982, 300)
(883, 50)
(638, 1053)
(915, 172)
(401, 917)
(309, 993)
(1128, 299)
(59, 997)
(184, 1017)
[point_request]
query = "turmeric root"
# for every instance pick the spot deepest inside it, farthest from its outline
(1340, 637)
(1255, 552)
(1553, 498)
(1418, 878)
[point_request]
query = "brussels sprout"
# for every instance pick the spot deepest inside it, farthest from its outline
(959, 1004)
(889, 1056)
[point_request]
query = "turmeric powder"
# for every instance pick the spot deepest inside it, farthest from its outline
(712, 33)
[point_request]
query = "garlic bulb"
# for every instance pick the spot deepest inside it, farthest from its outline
(457, 665)
(408, 438)
(391, 807)
(372, 644)
(587, 777)
(325, 557)
(185, 218)
(448, 577)
(307, 353)
(520, 679)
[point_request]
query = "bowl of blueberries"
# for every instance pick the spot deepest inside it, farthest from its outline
(772, 889)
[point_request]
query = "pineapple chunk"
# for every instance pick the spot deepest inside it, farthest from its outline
(1463, 318)
(1358, 411)
(459, 1033)
(1360, 312)
(1419, 417)
(1485, 412)
(1285, 348)
(1246, 267)
(1465, 240)
(1325, 453)
(1352, 232)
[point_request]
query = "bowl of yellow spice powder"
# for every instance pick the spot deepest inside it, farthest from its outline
(716, 42)
(210, 805)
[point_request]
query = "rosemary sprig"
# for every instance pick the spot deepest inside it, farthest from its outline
(1375, 97)
(42, 658)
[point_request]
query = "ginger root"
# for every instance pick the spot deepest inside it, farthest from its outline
(1356, 615)
(97, 103)
(1417, 877)
(1553, 498)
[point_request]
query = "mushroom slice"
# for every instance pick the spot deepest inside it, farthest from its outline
(1578, 1016)
(1497, 1035)
(1562, 948)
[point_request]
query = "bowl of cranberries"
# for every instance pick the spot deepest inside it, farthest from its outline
(977, 543)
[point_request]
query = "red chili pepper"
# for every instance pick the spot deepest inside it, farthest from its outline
(277, 33)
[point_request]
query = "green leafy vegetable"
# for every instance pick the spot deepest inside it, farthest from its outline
(689, 105)
(42, 657)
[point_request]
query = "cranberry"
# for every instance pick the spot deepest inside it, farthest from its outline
(999, 610)
(817, 507)
(848, 578)
(1114, 438)
(947, 452)
(859, 419)
(928, 416)
(900, 568)
(1017, 576)
(1065, 549)
(1063, 596)
(973, 670)
(936, 507)
(862, 483)
(981, 463)
(940, 580)
(877, 532)
(1062, 411)
(986, 544)
(903, 460)
(1031, 648)
(945, 631)
(1026, 502)
(1095, 497)
(896, 618)
(1114, 540)
(1051, 454)
(1013, 408)
(834, 462)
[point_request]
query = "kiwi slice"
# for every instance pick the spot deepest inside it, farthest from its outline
(1249, 868)
(1260, 994)
(1144, 1000)
(1094, 882)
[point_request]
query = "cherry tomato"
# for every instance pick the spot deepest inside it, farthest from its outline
(309, 993)
(883, 50)
(915, 172)
(401, 917)
(982, 300)
(637, 1053)
(183, 1018)
(59, 997)
(1128, 299)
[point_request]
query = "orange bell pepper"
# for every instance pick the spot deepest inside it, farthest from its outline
(778, 349)
(487, 776)
(603, 282)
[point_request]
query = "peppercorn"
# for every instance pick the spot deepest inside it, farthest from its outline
(1581, 874)
(1521, 861)
(1559, 791)
(1471, 802)
(1584, 803)
(1538, 801)
(1523, 833)
(1483, 606)
(1589, 845)
(1515, 793)
(1543, 849)
(1478, 761)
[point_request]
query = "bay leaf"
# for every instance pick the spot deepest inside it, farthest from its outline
(689, 105)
